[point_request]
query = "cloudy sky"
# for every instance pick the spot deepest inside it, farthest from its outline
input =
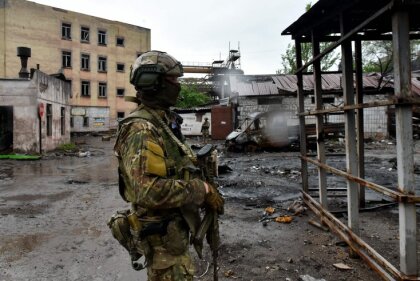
(200, 31)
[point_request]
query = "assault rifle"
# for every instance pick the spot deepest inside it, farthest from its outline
(207, 161)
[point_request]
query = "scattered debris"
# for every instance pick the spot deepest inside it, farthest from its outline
(290, 260)
(309, 278)
(297, 208)
(284, 219)
(224, 169)
(342, 266)
(106, 138)
(230, 273)
(84, 154)
(270, 210)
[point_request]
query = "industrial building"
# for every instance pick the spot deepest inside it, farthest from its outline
(93, 54)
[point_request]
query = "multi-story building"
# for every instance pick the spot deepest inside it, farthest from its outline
(94, 54)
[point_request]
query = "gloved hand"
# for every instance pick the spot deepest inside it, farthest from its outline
(214, 199)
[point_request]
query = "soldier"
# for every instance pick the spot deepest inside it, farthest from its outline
(205, 129)
(158, 173)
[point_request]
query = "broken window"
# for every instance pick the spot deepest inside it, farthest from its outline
(120, 92)
(120, 41)
(84, 34)
(102, 90)
(63, 121)
(66, 31)
(101, 37)
(102, 64)
(66, 59)
(85, 63)
(85, 91)
(49, 119)
(120, 67)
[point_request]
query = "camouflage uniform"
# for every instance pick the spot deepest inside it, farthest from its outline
(157, 183)
(205, 129)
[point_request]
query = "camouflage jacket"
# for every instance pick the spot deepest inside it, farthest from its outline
(152, 166)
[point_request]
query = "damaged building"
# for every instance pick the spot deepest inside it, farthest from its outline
(34, 111)
(92, 53)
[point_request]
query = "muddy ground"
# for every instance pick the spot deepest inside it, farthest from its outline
(53, 215)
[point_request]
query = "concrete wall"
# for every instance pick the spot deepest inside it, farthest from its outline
(24, 96)
(192, 123)
(375, 118)
(97, 119)
(24, 23)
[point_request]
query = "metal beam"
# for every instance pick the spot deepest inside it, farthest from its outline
(301, 103)
(404, 134)
(350, 127)
(360, 121)
(346, 36)
(322, 177)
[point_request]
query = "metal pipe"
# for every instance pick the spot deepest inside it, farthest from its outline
(395, 195)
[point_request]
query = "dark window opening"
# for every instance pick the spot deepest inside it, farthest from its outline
(101, 37)
(120, 92)
(49, 119)
(84, 34)
(120, 67)
(85, 63)
(66, 59)
(102, 64)
(85, 121)
(66, 31)
(102, 90)
(85, 91)
(63, 121)
(120, 41)
(120, 116)
(71, 122)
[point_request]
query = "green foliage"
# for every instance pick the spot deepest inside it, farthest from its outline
(67, 147)
(190, 97)
(289, 58)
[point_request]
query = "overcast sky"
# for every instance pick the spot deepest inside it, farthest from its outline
(200, 31)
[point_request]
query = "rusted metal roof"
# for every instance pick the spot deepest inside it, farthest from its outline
(244, 85)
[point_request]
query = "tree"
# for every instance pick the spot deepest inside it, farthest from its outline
(289, 57)
(190, 97)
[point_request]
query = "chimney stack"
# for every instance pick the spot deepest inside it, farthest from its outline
(24, 53)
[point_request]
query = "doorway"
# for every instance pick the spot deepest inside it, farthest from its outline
(6, 128)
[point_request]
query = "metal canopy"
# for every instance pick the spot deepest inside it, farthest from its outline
(324, 19)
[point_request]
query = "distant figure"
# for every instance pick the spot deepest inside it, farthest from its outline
(205, 129)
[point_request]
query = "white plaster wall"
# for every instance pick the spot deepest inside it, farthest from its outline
(191, 125)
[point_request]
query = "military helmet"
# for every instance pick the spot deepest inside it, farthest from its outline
(147, 70)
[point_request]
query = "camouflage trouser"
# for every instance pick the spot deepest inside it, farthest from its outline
(205, 134)
(176, 272)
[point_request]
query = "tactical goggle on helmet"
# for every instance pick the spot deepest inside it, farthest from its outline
(150, 66)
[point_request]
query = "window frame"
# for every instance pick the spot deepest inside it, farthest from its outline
(65, 31)
(102, 37)
(84, 56)
(49, 120)
(102, 90)
(66, 63)
(85, 121)
(83, 85)
(84, 31)
(102, 63)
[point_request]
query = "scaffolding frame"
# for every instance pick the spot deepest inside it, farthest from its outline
(399, 13)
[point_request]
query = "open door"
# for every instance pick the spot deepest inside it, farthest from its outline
(6, 128)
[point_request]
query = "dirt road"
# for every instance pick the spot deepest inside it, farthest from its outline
(53, 215)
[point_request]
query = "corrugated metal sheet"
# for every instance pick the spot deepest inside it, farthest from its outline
(248, 85)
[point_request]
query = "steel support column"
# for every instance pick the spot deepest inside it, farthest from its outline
(301, 104)
(322, 176)
(404, 134)
(350, 128)
(360, 119)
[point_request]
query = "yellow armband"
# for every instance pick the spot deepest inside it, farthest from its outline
(155, 160)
